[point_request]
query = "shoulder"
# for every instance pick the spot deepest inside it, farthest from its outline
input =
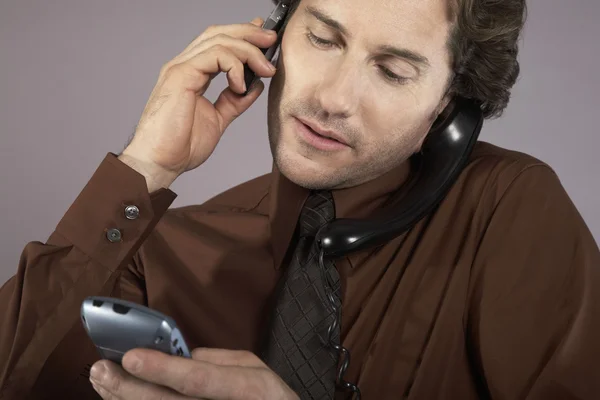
(508, 198)
(530, 227)
(499, 174)
(503, 165)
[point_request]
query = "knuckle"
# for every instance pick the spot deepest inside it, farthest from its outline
(247, 355)
(152, 395)
(221, 37)
(186, 72)
(166, 67)
(254, 389)
(217, 47)
(195, 381)
(220, 48)
(113, 384)
(211, 30)
(170, 70)
(179, 70)
(252, 392)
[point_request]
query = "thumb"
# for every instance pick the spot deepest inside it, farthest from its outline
(258, 21)
(230, 105)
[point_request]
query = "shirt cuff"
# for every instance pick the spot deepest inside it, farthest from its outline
(114, 213)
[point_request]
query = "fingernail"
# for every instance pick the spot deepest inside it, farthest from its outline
(95, 383)
(271, 66)
(132, 362)
(98, 388)
(97, 372)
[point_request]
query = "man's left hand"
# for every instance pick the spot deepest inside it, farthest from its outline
(209, 374)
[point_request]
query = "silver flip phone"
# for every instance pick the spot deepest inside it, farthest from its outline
(275, 22)
(117, 326)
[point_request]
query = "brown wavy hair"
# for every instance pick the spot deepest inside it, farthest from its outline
(483, 45)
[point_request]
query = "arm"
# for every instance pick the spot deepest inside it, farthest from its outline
(534, 323)
(43, 346)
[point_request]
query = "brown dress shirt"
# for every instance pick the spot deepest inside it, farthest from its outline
(495, 295)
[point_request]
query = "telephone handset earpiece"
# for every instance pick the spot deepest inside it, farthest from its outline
(444, 154)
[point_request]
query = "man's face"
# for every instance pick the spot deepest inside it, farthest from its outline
(373, 73)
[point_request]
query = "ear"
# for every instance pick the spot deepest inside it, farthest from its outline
(444, 106)
(436, 117)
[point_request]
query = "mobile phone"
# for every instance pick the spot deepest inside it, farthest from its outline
(275, 22)
(116, 326)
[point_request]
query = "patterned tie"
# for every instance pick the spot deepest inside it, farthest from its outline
(298, 348)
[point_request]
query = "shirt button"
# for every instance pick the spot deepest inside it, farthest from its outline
(113, 235)
(132, 212)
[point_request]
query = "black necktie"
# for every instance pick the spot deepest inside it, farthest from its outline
(299, 349)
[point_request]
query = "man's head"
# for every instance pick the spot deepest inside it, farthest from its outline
(376, 74)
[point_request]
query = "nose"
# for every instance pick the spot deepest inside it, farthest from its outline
(338, 91)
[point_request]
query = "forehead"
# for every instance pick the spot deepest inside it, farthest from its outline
(418, 24)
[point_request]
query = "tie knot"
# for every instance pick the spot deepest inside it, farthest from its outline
(317, 211)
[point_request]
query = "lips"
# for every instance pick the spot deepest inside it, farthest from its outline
(329, 134)
(317, 138)
(323, 136)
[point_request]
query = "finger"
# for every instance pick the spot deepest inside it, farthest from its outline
(230, 105)
(203, 67)
(252, 32)
(258, 21)
(197, 378)
(116, 383)
(243, 49)
(239, 358)
(221, 58)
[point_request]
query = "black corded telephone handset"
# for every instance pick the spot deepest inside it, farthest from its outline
(444, 154)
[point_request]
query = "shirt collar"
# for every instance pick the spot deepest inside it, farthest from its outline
(287, 199)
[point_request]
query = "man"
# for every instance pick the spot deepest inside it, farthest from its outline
(495, 295)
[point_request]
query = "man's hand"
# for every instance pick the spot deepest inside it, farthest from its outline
(180, 128)
(209, 374)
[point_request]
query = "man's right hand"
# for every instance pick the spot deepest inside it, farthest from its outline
(179, 128)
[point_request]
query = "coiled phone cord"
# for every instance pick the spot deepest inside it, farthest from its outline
(334, 325)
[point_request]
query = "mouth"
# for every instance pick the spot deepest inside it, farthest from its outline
(320, 139)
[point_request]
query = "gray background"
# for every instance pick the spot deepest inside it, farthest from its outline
(75, 76)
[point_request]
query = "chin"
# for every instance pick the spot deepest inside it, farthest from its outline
(308, 167)
(308, 173)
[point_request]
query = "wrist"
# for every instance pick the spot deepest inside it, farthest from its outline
(156, 176)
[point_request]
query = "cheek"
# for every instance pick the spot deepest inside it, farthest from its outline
(394, 127)
(300, 77)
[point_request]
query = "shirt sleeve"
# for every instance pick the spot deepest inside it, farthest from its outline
(91, 252)
(534, 324)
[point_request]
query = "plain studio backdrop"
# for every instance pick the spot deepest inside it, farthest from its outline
(75, 76)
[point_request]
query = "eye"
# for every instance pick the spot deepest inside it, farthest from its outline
(389, 75)
(319, 41)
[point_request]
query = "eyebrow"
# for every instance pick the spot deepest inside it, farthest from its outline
(391, 50)
(327, 20)
(406, 54)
